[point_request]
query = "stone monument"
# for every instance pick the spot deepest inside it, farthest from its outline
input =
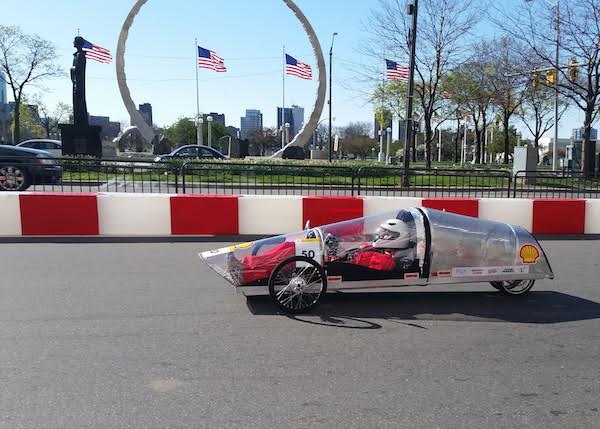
(80, 138)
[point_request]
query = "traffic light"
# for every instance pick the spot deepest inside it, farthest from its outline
(573, 69)
(535, 79)
(551, 77)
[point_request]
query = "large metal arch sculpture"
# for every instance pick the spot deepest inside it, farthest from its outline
(301, 139)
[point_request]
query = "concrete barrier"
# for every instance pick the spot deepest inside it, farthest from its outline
(270, 215)
(123, 214)
(10, 214)
(134, 214)
(507, 210)
(592, 217)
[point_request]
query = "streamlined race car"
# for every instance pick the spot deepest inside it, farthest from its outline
(408, 247)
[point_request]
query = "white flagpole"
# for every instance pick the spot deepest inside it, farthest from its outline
(283, 103)
(197, 84)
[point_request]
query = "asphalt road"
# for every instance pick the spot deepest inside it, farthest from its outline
(146, 336)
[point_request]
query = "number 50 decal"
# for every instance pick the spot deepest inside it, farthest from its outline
(309, 248)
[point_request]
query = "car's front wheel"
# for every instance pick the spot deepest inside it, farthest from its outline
(14, 178)
(516, 287)
(297, 284)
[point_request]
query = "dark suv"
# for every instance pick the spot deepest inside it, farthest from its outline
(22, 167)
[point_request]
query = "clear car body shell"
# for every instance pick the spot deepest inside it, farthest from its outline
(445, 249)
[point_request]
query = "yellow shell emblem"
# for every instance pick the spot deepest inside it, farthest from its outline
(529, 254)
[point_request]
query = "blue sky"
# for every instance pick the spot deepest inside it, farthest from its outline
(160, 61)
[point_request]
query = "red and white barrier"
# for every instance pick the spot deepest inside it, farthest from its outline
(122, 214)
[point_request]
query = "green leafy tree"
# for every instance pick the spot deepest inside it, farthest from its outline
(355, 139)
(468, 87)
(443, 27)
(30, 126)
(25, 59)
(182, 132)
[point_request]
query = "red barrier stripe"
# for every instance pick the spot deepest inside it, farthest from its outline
(59, 214)
(462, 206)
(558, 216)
(326, 210)
(198, 214)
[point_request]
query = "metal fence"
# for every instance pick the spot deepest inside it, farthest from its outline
(550, 184)
(142, 176)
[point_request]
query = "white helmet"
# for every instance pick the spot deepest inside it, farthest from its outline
(392, 234)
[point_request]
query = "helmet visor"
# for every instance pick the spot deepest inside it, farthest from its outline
(386, 234)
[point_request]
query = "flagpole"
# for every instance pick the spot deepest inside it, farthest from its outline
(197, 84)
(283, 103)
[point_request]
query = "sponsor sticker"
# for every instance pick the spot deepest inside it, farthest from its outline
(529, 254)
(488, 271)
(244, 245)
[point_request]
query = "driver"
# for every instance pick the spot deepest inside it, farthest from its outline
(391, 250)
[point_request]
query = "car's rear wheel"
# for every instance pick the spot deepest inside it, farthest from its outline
(14, 178)
(515, 287)
(297, 284)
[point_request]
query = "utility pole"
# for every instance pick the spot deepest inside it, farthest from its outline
(411, 9)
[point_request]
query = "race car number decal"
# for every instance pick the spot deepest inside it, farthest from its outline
(309, 248)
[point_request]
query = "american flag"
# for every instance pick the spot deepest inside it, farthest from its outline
(96, 53)
(396, 72)
(297, 68)
(210, 60)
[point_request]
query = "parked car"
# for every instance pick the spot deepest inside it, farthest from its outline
(21, 167)
(53, 147)
(192, 152)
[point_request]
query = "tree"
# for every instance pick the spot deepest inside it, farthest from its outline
(24, 59)
(507, 83)
(50, 118)
(265, 139)
(468, 87)
(182, 132)
(443, 26)
(579, 22)
(30, 127)
(355, 139)
(537, 111)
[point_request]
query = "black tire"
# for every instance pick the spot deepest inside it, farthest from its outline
(295, 289)
(14, 177)
(515, 287)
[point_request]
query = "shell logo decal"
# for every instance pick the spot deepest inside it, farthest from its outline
(529, 254)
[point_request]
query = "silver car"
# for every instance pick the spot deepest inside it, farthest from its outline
(53, 147)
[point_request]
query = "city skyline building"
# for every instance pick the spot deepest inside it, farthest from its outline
(233, 131)
(146, 112)
(251, 122)
(288, 119)
(217, 117)
(298, 117)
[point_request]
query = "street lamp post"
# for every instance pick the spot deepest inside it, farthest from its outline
(210, 121)
(330, 92)
(412, 9)
(199, 130)
(287, 133)
(389, 143)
